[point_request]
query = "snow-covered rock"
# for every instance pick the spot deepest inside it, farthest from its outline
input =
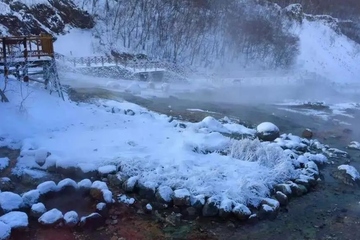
(85, 184)
(37, 210)
(31, 197)
(350, 170)
(46, 187)
(164, 194)
(107, 195)
(5, 231)
(197, 201)
(67, 182)
(4, 162)
(225, 208)
(71, 219)
(282, 198)
(6, 184)
(130, 184)
(92, 221)
(40, 156)
(149, 207)
(211, 207)
(108, 169)
(10, 201)
(51, 217)
(181, 197)
(125, 199)
(15, 219)
(267, 131)
(241, 211)
(354, 145)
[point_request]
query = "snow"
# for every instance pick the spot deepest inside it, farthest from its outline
(226, 205)
(149, 207)
(40, 156)
(10, 201)
(125, 199)
(107, 194)
(67, 182)
(241, 208)
(48, 186)
(50, 217)
(34, 2)
(5, 231)
(107, 169)
(15, 219)
(4, 163)
(4, 8)
(267, 208)
(31, 197)
(324, 51)
(267, 127)
(350, 170)
(158, 152)
(65, 44)
(100, 206)
(38, 208)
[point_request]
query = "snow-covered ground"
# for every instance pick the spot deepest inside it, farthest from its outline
(145, 144)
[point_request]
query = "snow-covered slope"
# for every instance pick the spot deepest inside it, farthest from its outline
(327, 53)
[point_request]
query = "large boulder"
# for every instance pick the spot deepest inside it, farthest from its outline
(267, 131)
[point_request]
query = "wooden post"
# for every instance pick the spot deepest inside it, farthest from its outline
(25, 69)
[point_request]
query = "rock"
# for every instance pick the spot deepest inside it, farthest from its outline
(181, 197)
(303, 182)
(298, 189)
(71, 219)
(271, 202)
(31, 197)
(197, 202)
(92, 221)
(51, 218)
(164, 194)
(181, 125)
(282, 198)
(147, 190)
(307, 133)
(211, 208)
(191, 213)
(225, 208)
(174, 218)
(96, 194)
(115, 180)
(37, 210)
(267, 131)
(241, 211)
(253, 219)
(6, 184)
(129, 112)
(148, 208)
(5, 231)
(10, 201)
(267, 212)
(284, 188)
(129, 185)
(102, 209)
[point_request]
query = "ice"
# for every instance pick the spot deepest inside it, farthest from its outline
(67, 182)
(4, 162)
(10, 201)
(31, 197)
(350, 170)
(48, 186)
(51, 217)
(15, 219)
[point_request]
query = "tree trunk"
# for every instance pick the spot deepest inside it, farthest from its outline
(3, 96)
